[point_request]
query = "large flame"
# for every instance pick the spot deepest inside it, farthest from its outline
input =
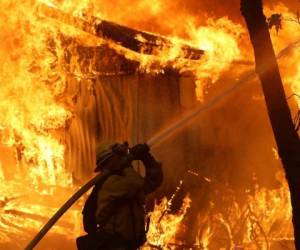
(34, 113)
(219, 39)
(31, 83)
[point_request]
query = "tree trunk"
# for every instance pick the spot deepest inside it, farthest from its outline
(286, 137)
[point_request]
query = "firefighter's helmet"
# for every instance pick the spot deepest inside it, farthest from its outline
(106, 150)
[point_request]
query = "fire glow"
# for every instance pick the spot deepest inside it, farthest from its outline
(34, 111)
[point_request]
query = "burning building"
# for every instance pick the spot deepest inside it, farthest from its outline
(70, 80)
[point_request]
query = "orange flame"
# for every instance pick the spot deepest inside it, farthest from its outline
(33, 112)
(163, 228)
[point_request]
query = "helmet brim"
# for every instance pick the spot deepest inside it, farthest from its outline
(101, 161)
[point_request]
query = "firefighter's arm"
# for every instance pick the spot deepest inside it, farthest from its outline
(154, 175)
(122, 186)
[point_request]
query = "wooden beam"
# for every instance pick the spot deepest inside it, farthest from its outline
(137, 41)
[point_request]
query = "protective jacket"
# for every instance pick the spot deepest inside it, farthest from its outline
(120, 202)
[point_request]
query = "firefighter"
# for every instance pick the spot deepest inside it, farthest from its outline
(114, 213)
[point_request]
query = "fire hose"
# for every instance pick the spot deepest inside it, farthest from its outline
(63, 209)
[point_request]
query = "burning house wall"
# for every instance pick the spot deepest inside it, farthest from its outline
(119, 103)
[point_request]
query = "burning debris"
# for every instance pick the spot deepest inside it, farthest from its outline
(275, 20)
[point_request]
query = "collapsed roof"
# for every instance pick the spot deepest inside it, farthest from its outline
(119, 38)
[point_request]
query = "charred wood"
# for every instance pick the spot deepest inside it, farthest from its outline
(137, 41)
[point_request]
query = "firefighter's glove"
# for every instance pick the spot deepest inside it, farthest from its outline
(140, 151)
